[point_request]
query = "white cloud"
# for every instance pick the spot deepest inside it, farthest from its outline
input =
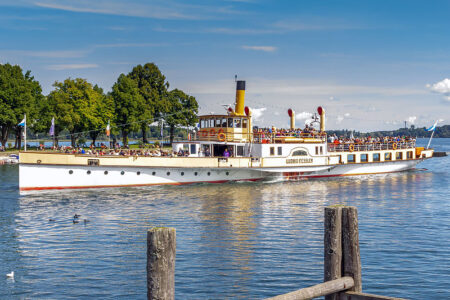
(347, 115)
(71, 67)
(303, 115)
(411, 119)
(257, 113)
(339, 119)
(441, 87)
(260, 48)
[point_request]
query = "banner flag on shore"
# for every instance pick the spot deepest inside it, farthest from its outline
(24, 121)
(108, 129)
(432, 128)
(52, 127)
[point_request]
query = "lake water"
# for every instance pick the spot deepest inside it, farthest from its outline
(240, 240)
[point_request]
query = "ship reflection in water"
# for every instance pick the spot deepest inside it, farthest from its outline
(239, 240)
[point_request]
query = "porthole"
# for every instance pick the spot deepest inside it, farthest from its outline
(153, 173)
(168, 173)
(106, 172)
(138, 173)
(89, 172)
(123, 172)
(228, 173)
(209, 173)
(182, 173)
(195, 173)
(71, 172)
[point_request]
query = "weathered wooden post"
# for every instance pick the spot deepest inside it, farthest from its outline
(332, 245)
(161, 247)
(350, 246)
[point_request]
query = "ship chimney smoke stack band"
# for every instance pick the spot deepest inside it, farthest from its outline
(240, 98)
(321, 112)
(291, 114)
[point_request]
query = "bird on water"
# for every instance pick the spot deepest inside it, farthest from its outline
(10, 275)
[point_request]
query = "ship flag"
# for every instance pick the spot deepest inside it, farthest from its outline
(52, 127)
(432, 128)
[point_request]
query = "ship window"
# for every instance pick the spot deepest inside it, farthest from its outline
(209, 173)
(280, 151)
(240, 151)
(244, 123)
(272, 151)
(106, 172)
(182, 173)
(193, 149)
(212, 122)
(138, 173)
(93, 162)
(230, 122)
(237, 123)
(195, 173)
(202, 124)
(299, 153)
(218, 123)
(364, 158)
(224, 123)
(376, 157)
(317, 150)
(321, 150)
(122, 173)
(88, 172)
(399, 156)
(409, 154)
(70, 172)
(388, 156)
(351, 158)
(153, 173)
(168, 173)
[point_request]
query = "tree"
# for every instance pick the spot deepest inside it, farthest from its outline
(183, 111)
(103, 112)
(153, 87)
(127, 105)
(19, 94)
(77, 107)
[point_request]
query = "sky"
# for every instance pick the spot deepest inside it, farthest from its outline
(371, 64)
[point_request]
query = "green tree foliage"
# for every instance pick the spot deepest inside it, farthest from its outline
(153, 87)
(77, 106)
(183, 111)
(19, 94)
(127, 105)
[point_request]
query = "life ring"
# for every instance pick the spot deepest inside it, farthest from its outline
(212, 132)
(394, 146)
(220, 131)
(351, 147)
(204, 132)
(221, 137)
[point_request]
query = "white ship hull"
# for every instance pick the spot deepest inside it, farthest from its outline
(48, 177)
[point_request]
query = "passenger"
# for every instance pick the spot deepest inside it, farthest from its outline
(226, 153)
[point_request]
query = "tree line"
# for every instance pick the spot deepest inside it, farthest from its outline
(81, 108)
(440, 132)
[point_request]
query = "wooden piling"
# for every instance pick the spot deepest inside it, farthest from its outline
(332, 245)
(161, 248)
(350, 246)
(318, 290)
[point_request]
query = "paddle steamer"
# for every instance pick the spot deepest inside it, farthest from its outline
(225, 148)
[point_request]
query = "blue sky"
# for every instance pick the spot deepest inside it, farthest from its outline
(371, 64)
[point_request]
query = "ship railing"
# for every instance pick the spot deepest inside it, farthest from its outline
(370, 146)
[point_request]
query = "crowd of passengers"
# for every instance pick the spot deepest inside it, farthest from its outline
(117, 151)
(332, 139)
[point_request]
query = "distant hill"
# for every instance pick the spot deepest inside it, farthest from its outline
(441, 132)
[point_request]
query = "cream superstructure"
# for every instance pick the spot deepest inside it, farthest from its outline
(254, 155)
